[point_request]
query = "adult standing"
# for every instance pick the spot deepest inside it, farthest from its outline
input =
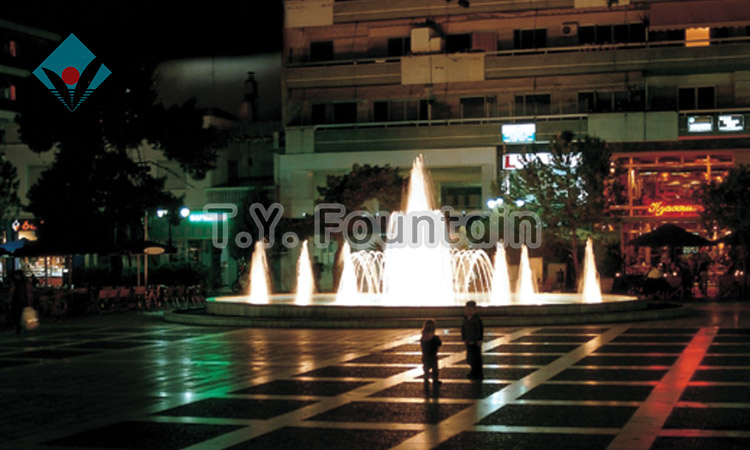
(21, 296)
(472, 333)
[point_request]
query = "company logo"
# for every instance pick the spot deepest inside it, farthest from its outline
(72, 72)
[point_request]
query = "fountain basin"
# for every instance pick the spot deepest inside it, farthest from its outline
(553, 309)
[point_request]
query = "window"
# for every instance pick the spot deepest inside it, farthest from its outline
(401, 110)
(696, 98)
(319, 114)
(321, 51)
(457, 43)
(345, 112)
(474, 107)
(527, 39)
(532, 104)
(399, 46)
(607, 101)
(607, 34)
(486, 41)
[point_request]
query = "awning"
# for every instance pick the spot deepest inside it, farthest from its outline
(704, 13)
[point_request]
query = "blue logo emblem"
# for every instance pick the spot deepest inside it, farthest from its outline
(72, 72)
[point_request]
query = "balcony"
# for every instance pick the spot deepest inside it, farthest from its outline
(662, 57)
(422, 134)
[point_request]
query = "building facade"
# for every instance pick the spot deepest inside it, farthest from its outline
(666, 83)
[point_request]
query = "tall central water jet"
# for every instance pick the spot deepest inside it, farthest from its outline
(419, 267)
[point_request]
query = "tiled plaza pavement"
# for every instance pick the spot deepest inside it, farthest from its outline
(133, 381)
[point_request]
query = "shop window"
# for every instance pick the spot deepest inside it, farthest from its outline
(345, 112)
(532, 104)
(321, 51)
(457, 43)
(399, 46)
(528, 39)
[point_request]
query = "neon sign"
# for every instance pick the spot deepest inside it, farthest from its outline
(23, 226)
(659, 209)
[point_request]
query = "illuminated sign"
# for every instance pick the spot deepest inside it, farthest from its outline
(515, 161)
(207, 217)
(731, 122)
(700, 124)
(518, 133)
(26, 225)
(660, 209)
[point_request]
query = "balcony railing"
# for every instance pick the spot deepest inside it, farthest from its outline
(535, 51)
(444, 122)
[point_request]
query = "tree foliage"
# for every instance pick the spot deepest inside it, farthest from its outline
(373, 188)
(99, 186)
(8, 189)
(727, 204)
(571, 190)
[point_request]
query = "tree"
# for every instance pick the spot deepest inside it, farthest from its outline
(99, 186)
(727, 204)
(571, 190)
(8, 189)
(372, 188)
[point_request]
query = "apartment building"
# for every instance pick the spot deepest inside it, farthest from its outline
(667, 83)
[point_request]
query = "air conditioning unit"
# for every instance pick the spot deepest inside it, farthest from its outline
(569, 29)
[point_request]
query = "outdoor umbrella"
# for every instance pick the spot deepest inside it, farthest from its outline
(670, 235)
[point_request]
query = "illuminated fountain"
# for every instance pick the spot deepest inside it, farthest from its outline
(419, 281)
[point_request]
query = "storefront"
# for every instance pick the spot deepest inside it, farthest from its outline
(660, 188)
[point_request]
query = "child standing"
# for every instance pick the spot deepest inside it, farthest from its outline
(430, 344)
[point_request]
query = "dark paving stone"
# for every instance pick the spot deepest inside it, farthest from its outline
(51, 354)
(236, 408)
(158, 337)
(392, 412)
(39, 343)
(145, 435)
(653, 339)
(12, 363)
(534, 348)
(661, 331)
(553, 338)
(627, 361)
(445, 348)
(91, 336)
(733, 419)
(354, 372)
(732, 339)
(560, 416)
(737, 375)
(609, 375)
(525, 441)
(625, 348)
(326, 439)
(725, 361)
(588, 392)
(490, 373)
(716, 394)
(516, 360)
(734, 331)
(729, 348)
(583, 330)
(107, 345)
(700, 443)
(295, 387)
(445, 390)
(389, 358)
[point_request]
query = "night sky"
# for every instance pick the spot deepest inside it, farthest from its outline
(158, 30)
(205, 50)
